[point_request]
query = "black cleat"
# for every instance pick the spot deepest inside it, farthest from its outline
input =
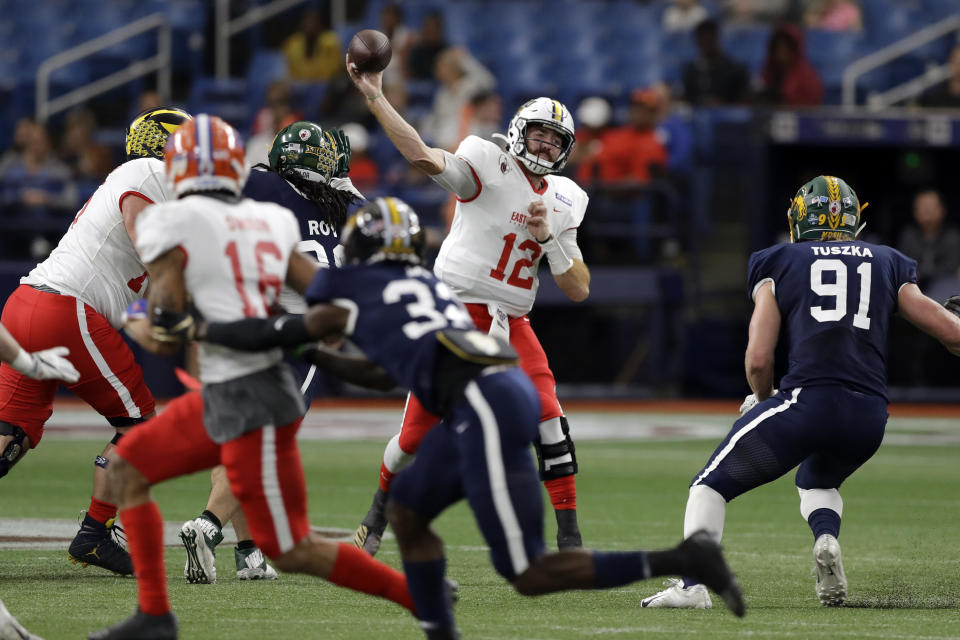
(95, 544)
(140, 626)
(370, 531)
(436, 632)
(704, 563)
(568, 532)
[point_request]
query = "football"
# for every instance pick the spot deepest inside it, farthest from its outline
(370, 50)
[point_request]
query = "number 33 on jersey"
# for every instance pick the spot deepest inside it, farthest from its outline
(836, 298)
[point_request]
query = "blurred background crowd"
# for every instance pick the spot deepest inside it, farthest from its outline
(696, 121)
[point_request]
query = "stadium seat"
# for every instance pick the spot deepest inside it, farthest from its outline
(225, 98)
(747, 45)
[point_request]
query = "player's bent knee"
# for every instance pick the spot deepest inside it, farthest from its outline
(14, 444)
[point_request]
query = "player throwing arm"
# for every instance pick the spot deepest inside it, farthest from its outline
(76, 298)
(512, 212)
(836, 295)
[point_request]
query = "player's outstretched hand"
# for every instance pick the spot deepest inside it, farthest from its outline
(52, 364)
(953, 305)
(370, 84)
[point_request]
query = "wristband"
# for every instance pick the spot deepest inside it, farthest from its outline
(560, 262)
(23, 362)
(376, 97)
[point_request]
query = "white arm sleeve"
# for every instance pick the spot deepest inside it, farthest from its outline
(457, 177)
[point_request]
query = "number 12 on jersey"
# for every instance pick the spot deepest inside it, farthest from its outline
(501, 270)
(838, 291)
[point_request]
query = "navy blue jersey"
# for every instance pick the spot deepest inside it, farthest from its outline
(319, 238)
(836, 299)
(396, 311)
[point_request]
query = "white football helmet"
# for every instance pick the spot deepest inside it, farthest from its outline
(549, 113)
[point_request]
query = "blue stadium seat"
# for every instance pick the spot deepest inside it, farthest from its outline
(747, 45)
(224, 98)
(265, 66)
(831, 52)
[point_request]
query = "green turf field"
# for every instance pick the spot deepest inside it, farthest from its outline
(899, 537)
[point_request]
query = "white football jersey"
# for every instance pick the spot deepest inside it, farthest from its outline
(95, 260)
(237, 256)
(489, 256)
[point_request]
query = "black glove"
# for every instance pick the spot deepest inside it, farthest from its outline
(342, 142)
(953, 305)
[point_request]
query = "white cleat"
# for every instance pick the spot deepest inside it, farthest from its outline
(251, 565)
(831, 581)
(676, 596)
(10, 629)
(200, 537)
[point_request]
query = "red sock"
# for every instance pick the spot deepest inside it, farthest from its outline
(386, 476)
(354, 569)
(101, 511)
(144, 528)
(563, 492)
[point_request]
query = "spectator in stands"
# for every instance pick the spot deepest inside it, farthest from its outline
(22, 133)
(89, 161)
(931, 242)
(673, 130)
(788, 77)
(833, 15)
(634, 152)
(460, 77)
(755, 12)
(947, 93)
(713, 78)
(391, 24)
(38, 183)
(430, 43)
(593, 121)
(363, 171)
(313, 52)
(483, 116)
(276, 113)
(683, 15)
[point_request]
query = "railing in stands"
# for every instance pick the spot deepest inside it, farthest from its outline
(159, 64)
(891, 52)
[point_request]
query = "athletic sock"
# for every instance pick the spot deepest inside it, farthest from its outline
(212, 517)
(616, 568)
(356, 570)
(144, 527)
(101, 511)
(386, 476)
(563, 492)
(823, 521)
(427, 588)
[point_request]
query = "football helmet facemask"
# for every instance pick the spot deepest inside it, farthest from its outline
(147, 135)
(826, 208)
(205, 154)
(384, 230)
(548, 113)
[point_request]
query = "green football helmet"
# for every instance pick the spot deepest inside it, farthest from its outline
(304, 152)
(826, 208)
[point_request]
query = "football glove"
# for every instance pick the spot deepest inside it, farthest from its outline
(953, 305)
(751, 401)
(172, 326)
(343, 151)
(49, 364)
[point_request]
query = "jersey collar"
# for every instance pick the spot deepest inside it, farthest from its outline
(540, 191)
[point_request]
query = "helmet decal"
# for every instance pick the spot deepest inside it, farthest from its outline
(148, 133)
(826, 208)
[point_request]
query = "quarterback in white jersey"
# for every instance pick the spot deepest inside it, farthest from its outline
(76, 298)
(512, 212)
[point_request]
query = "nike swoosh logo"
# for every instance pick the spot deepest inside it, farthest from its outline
(279, 322)
(460, 428)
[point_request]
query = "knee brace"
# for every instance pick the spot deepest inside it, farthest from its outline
(14, 449)
(548, 452)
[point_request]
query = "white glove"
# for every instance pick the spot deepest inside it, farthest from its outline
(751, 401)
(49, 364)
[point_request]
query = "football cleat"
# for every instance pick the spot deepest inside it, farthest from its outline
(568, 532)
(251, 565)
(705, 563)
(677, 596)
(140, 626)
(200, 538)
(831, 581)
(370, 532)
(95, 544)
(10, 629)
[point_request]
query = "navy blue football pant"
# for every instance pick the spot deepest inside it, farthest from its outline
(482, 453)
(308, 376)
(830, 431)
